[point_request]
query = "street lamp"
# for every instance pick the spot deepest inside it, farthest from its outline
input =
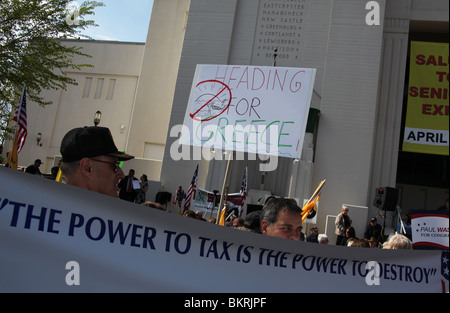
(97, 117)
(38, 139)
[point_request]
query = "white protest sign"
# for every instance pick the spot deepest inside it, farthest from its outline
(59, 238)
(430, 229)
(256, 109)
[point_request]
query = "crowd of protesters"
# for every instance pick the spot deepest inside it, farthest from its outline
(280, 217)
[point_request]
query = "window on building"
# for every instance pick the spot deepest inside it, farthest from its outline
(99, 88)
(111, 87)
(87, 87)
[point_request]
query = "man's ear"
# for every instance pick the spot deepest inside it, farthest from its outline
(264, 225)
(85, 166)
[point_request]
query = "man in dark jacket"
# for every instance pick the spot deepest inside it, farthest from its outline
(127, 190)
(373, 230)
(34, 168)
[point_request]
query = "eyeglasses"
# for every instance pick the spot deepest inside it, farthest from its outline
(115, 164)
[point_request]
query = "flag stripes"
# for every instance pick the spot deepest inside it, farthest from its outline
(21, 118)
(187, 202)
(243, 190)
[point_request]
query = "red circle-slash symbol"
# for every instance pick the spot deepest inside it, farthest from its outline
(213, 101)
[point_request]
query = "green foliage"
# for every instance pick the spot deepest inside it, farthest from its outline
(32, 50)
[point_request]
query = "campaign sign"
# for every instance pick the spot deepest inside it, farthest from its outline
(429, 229)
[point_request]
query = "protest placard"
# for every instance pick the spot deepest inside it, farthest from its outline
(256, 109)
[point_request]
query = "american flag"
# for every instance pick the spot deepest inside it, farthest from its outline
(21, 118)
(243, 190)
(444, 270)
(187, 202)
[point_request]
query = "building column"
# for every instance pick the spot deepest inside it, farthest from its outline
(390, 98)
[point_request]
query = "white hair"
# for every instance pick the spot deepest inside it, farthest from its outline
(322, 237)
(398, 241)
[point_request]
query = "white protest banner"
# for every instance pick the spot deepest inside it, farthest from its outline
(58, 238)
(256, 109)
(430, 229)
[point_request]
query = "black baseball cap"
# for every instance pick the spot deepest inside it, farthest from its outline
(89, 142)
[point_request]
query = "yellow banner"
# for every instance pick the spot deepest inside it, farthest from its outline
(13, 155)
(426, 125)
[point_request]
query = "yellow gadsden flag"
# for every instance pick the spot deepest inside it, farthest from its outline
(309, 205)
(222, 217)
(59, 176)
(13, 154)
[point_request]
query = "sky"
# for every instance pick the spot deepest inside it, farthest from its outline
(121, 20)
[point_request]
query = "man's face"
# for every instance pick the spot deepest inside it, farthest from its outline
(105, 178)
(288, 225)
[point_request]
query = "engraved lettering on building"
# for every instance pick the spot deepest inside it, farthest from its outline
(279, 26)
